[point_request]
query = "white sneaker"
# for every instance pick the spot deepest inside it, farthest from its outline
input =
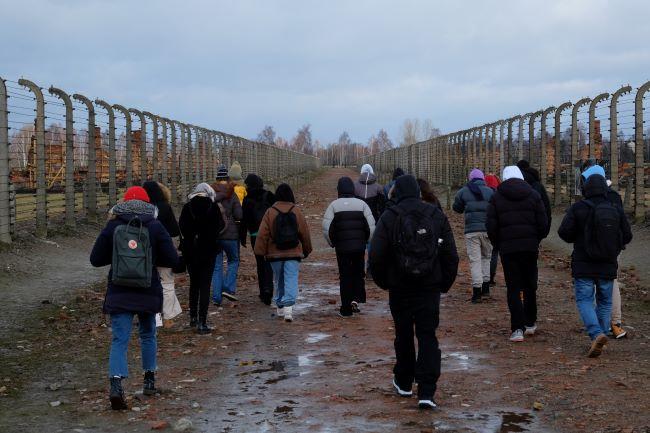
(279, 312)
(530, 330)
(287, 314)
(517, 336)
(427, 404)
(400, 391)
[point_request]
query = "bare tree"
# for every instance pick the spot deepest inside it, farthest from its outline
(281, 143)
(302, 142)
(20, 143)
(267, 135)
(416, 130)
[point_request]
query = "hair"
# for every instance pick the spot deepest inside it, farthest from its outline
(427, 192)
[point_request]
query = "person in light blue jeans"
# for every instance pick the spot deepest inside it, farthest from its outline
(285, 276)
(596, 319)
(225, 285)
(121, 324)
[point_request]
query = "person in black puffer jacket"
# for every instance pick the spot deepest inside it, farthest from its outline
(160, 197)
(255, 204)
(516, 225)
(534, 180)
(348, 224)
(200, 223)
(414, 302)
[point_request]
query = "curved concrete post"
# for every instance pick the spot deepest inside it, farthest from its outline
(520, 144)
(613, 134)
(198, 157)
(531, 136)
(163, 157)
(509, 147)
(128, 143)
(491, 159)
(542, 145)
(592, 122)
(112, 172)
(173, 167)
(5, 198)
(557, 188)
(69, 155)
(639, 168)
(478, 162)
(190, 162)
(41, 184)
(143, 147)
(91, 178)
(575, 162)
(182, 161)
(155, 171)
(502, 150)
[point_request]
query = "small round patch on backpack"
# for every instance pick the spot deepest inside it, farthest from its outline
(133, 244)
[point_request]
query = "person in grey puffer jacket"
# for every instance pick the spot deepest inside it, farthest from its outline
(228, 240)
(472, 200)
(368, 190)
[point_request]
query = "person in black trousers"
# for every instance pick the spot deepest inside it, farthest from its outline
(200, 223)
(255, 205)
(414, 300)
(347, 225)
(516, 225)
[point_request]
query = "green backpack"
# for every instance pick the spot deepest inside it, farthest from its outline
(132, 262)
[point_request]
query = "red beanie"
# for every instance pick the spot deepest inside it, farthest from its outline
(136, 193)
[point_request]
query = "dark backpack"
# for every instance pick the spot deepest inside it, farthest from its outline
(285, 230)
(377, 205)
(132, 262)
(415, 239)
(602, 231)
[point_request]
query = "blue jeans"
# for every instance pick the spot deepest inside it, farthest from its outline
(121, 325)
(596, 319)
(285, 275)
(228, 284)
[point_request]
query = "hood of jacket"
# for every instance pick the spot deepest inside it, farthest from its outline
(367, 168)
(531, 175)
(406, 187)
(367, 178)
(223, 190)
(595, 186)
(345, 187)
(515, 189)
(397, 173)
(253, 182)
(202, 190)
(155, 192)
(512, 171)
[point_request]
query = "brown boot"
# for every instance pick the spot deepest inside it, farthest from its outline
(597, 346)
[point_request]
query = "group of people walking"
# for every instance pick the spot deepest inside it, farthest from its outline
(411, 253)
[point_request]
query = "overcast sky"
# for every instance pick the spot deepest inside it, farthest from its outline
(339, 65)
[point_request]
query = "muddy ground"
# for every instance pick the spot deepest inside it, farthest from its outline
(324, 373)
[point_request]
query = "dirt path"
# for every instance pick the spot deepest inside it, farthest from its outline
(323, 373)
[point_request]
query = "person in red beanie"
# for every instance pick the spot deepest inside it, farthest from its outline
(122, 301)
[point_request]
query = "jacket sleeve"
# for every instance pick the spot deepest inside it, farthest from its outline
(448, 256)
(380, 253)
(237, 212)
(567, 230)
(263, 235)
(303, 232)
(625, 227)
(492, 223)
(459, 203)
(369, 219)
(174, 229)
(541, 219)
(327, 222)
(166, 255)
(102, 253)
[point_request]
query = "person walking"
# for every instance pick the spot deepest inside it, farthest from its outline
(493, 182)
(427, 194)
(138, 292)
(599, 231)
(200, 223)
(235, 175)
(532, 177)
(367, 189)
(413, 256)
(472, 200)
(160, 197)
(348, 224)
(396, 173)
(516, 224)
(225, 286)
(256, 203)
(284, 240)
(617, 315)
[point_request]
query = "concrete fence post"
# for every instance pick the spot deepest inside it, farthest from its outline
(5, 196)
(508, 154)
(69, 156)
(543, 169)
(41, 184)
(572, 179)
(128, 143)
(639, 150)
(143, 146)
(502, 150)
(164, 156)
(557, 188)
(182, 163)
(112, 162)
(592, 122)
(173, 168)
(613, 134)
(520, 141)
(91, 177)
(531, 136)
(154, 147)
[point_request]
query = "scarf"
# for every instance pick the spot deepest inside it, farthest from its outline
(134, 207)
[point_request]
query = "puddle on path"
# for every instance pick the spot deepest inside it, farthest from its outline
(459, 361)
(499, 421)
(319, 264)
(316, 337)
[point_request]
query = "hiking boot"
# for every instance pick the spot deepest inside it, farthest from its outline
(279, 312)
(149, 386)
(230, 296)
(288, 316)
(403, 392)
(193, 321)
(266, 300)
(116, 395)
(517, 336)
(476, 295)
(427, 404)
(355, 307)
(485, 289)
(530, 330)
(203, 328)
(597, 346)
(618, 331)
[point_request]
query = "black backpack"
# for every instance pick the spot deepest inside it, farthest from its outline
(415, 239)
(285, 230)
(132, 262)
(602, 231)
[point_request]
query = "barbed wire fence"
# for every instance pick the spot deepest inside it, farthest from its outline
(610, 128)
(64, 156)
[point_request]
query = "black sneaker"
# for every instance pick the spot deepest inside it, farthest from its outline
(266, 300)
(116, 395)
(193, 321)
(485, 289)
(476, 295)
(344, 312)
(403, 392)
(203, 328)
(149, 387)
(230, 296)
(355, 307)
(427, 404)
